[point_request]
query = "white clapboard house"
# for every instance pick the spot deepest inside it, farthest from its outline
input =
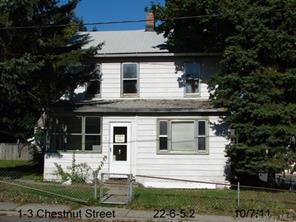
(148, 113)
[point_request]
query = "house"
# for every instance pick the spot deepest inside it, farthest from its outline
(148, 113)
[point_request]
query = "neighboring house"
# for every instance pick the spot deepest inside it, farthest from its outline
(148, 112)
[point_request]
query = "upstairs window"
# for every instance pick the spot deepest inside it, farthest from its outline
(183, 136)
(192, 78)
(94, 85)
(129, 79)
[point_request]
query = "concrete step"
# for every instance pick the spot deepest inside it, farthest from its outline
(116, 190)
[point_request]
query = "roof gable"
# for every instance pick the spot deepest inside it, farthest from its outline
(127, 42)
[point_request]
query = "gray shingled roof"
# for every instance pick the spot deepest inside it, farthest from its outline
(130, 41)
(144, 106)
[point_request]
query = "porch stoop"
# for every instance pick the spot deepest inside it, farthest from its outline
(116, 190)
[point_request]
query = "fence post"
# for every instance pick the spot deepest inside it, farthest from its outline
(130, 187)
(102, 187)
(95, 184)
(238, 194)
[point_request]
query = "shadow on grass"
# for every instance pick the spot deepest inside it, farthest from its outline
(26, 169)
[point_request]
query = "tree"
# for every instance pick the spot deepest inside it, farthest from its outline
(41, 58)
(257, 80)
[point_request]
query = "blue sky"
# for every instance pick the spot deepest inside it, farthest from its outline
(113, 10)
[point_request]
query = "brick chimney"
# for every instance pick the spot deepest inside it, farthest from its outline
(150, 22)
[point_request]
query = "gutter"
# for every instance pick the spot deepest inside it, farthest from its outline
(152, 54)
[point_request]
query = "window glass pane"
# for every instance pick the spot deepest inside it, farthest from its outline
(93, 143)
(183, 136)
(163, 143)
(130, 86)
(163, 128)
(120, 134)
(129, 71)
(73, 142)
(119, 152)
(201, 128)
(191, 86)
(92, 125)
(72, 124)
(201, 143)
(192, 70)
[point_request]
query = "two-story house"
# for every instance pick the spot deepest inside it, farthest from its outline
(148, 113)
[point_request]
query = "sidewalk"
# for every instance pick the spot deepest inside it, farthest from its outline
(94, 213)
(48, 212)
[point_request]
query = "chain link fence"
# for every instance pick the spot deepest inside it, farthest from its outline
(14, 186)
(116, 188)
(224, 201)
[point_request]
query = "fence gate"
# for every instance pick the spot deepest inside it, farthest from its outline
(116, 188)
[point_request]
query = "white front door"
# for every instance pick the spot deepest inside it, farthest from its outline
(120, 148)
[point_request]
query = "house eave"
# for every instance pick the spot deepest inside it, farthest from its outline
(153, 54)
(135, 107)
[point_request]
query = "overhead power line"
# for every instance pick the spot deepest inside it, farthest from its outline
(103, 23)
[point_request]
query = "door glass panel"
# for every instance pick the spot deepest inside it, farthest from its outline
(119, 152)
(120, 134)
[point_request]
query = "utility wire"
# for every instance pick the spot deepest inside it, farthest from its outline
(104, 23)
(112, 22)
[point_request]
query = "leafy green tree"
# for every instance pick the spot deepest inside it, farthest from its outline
(257, 81)
(41, 58)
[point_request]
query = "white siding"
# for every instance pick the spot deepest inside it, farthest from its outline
(157, 79)
(145, 160)
(209, 168)
(65, 160)
(110, 87)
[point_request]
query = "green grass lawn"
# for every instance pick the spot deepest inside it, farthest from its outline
(219, 202)
(28, 174)
(13, 163)
(20, 169)
(62, 194)
(223, 202)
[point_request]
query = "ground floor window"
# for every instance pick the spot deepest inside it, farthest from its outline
(75, 133)
(183, 136)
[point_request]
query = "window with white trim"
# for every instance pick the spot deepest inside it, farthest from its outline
(129, 79)
(182, 136)
(76, 133)
(192, 78)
